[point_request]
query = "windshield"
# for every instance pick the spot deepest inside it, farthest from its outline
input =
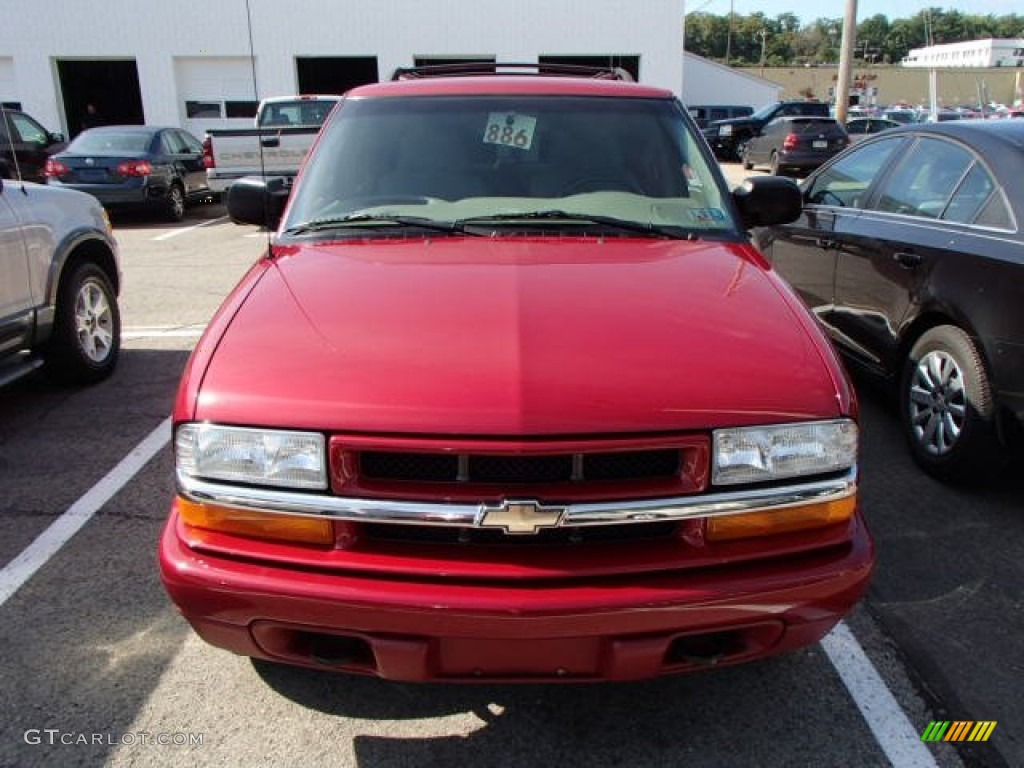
(469, 158)
(307, 113)
(765, 112)
(107, 142)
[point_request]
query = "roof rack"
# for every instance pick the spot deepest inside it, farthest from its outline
(473, 68)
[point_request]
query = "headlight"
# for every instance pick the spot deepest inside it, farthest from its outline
(725, 130)
(758, 454)
(257, 456)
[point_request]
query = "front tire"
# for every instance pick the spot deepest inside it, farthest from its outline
(947, 407)
(86, 337)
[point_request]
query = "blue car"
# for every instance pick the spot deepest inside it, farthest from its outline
(134, 166)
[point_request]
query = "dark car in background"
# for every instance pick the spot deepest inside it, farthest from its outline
(705, 114)
(134, 166)
(727, 138)
(25, 146)
(910, 251)
(792, 145)
(859, 128)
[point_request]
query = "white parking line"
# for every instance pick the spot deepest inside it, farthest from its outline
(893, 731)
(163, 332)
(176, 232)
(47, 544)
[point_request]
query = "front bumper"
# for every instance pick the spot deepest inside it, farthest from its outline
(625, 627)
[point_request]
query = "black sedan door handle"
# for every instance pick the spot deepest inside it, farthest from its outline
(907, 259)
(825, 243)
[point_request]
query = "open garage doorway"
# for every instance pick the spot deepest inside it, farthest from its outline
(334, 74)
(110, 85)
(629, 63)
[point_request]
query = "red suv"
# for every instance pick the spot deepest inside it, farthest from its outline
(511, 397)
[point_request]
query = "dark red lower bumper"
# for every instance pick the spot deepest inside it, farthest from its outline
(625, 628)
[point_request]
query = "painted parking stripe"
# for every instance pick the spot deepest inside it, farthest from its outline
(182, 231)
(49, 542)
(163, 332)
(892, 730)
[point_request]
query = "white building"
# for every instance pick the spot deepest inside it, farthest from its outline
(707, 82)
(976, 53)
(188, 62)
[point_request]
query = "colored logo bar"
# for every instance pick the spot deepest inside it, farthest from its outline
(958, 730)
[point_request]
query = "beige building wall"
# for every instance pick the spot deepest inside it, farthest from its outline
(902, 85)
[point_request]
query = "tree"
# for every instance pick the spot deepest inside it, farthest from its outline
(786, 41)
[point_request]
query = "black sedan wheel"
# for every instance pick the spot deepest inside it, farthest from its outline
(87, 331)
(947, 406)
(175, 203)
(740, 149)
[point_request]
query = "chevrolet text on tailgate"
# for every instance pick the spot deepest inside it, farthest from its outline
(511, 397)
(285, 129)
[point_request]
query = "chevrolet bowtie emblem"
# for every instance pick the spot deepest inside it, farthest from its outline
(520, 517)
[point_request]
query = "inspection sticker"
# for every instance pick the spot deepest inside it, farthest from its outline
(508, 129)
(707, 214)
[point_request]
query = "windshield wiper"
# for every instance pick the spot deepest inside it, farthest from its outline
(359, 219)
(586, 218)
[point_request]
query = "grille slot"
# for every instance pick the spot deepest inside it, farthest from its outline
(421, 467)
(631, 464)
(520, 469)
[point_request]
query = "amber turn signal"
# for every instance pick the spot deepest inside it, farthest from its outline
(769, 523)
(260, 525)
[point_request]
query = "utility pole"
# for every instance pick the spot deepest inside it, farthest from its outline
(846, 50)
(728, 37)
(763, 34)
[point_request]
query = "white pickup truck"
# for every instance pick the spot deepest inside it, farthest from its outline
(285, 128)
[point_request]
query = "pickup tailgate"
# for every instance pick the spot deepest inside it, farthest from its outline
(238, 152)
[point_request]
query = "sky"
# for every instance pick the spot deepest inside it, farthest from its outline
(809, 10)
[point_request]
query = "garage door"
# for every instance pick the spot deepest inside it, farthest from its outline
(7, 92)
(214, 92)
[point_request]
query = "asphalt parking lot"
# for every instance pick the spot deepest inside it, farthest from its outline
(98, 668)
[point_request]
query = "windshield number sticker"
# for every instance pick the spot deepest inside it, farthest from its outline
(508, 129)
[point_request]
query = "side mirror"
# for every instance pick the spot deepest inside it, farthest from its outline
(255, 200)
(767, 200)
(55, 138)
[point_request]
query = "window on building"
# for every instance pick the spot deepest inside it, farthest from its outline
(240, 108)
(199, 109)
(629, 63)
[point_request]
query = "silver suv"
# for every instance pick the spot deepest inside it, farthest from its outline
(59, 281)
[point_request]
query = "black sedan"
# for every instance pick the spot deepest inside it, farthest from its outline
(910, 251)
(859, 128)
(134, 166)
(794, 144)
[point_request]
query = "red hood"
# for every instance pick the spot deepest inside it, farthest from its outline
(516, 336)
